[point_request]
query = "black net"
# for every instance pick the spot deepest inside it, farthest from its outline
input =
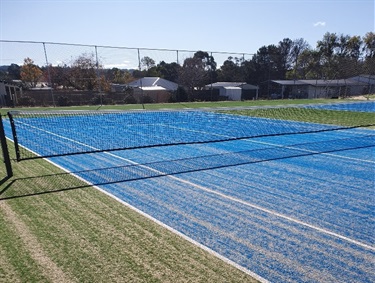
(138, 171)
(47, 134)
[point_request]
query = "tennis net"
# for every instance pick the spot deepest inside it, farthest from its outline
(58, 133)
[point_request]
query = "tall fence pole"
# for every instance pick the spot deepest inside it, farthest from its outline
(98, 76)
(49, 74)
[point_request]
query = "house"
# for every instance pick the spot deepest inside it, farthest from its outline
(235, 90)
(9, 93)
(323, 88)
(154, 88)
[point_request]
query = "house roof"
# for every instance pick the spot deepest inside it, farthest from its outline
(320, 83)
(289, 82)
(152, 88)
(226, 84)
(231, 87)
(368, 79)
(153, 82)
(242, 85)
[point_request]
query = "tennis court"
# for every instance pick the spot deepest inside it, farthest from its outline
(292, 203)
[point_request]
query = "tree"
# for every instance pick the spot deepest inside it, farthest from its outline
(369, 50)
(309, 64)
(83, 73)
(298, 47)
(208, 61)
(231, 70)
(369, 45)
(327, 48)
(269, 64)
(14, 72)
(353, 47)
(347, 56)
(193, 75)
(118, 76)
(209, 65)
(30, 73)
(169, 71)
(285, 50)
(328, 44)
(147, 62)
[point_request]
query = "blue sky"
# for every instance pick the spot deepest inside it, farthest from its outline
(234, 25)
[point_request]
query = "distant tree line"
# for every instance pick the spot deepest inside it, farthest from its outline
(335, 56)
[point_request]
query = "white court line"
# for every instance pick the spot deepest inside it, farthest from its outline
(274, 213)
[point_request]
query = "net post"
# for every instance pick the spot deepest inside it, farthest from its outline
(5, 151)
(15, 139)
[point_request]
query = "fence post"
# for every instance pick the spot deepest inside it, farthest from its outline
(98, 76)
(5, 151)
(49, 74)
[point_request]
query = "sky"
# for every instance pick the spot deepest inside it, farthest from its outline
(241, 26)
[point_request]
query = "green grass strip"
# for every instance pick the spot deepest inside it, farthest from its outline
(342, 118)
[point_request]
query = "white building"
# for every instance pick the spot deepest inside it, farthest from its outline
(235, 90)
(157, 89)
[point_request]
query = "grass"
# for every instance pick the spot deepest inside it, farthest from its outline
(342, 118)
(55, 228)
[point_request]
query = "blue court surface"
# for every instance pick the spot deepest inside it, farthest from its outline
(289, 208)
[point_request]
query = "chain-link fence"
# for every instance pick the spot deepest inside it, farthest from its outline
(58, 74)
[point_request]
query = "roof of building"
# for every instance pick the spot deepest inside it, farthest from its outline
(243, 85)
(153, 82)
(369, 79)
(152, 88)
(320, 83)
(226, 84)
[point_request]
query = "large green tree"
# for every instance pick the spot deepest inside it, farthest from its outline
(231, 70)
(169, 71)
